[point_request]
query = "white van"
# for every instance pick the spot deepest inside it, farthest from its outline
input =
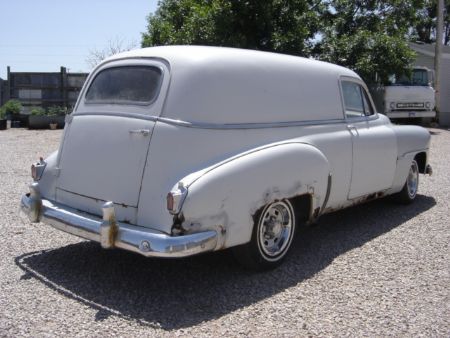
(175, 151)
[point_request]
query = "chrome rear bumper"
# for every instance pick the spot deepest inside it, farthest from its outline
(112, 234)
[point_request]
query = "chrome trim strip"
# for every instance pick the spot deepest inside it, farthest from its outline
(119, 114)
(145, 241)
(202, 125)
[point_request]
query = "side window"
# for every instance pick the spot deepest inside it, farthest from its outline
(356, 100)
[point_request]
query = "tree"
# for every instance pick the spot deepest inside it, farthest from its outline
(114, 46)
(369, 36)
(284, 26)
(425, 28)
(369, 54)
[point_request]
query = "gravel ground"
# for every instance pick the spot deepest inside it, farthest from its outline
(378, 269)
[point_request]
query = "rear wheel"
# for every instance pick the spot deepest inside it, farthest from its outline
(272, 236)
(409, 191)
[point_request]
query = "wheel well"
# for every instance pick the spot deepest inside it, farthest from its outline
(302, 207)
(421, 159)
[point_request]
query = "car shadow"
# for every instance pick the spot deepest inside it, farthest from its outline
(172, 294)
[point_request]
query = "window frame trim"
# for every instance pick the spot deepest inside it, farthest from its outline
(125, 103)
(360, 82)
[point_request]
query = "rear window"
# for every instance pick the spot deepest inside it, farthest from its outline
(125, 85)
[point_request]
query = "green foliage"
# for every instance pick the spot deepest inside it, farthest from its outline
(52, 111)
(38, 111)
(368, 36)
(56, 110)
(12, 107)
(425, 26)
(285, 26)
(368, 54)
(2, 113)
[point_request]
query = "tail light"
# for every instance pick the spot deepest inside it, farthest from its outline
(37, 169)
(176, 197)
(34, 172)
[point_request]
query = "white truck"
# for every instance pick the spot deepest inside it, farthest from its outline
(410, 97)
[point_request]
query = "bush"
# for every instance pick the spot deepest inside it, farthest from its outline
(2, 113)
(38, 111)
(57, 110)
(12, 106)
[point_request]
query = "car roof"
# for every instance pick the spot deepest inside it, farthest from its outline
(231, 86)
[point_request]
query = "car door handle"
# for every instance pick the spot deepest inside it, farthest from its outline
(143, 132)
(352, 129)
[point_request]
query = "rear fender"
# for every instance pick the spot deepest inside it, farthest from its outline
(47, 182)
(227, 197)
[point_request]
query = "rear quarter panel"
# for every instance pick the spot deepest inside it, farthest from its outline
(228, 196)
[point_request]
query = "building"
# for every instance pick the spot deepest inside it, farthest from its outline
(2, 86)
(425, 57)
(39, 89)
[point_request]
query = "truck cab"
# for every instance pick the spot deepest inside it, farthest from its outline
(410, 96)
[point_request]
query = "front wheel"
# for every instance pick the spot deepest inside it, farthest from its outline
(409, 191)
(272, 236)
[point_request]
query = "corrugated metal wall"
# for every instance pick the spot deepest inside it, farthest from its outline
(44, 89)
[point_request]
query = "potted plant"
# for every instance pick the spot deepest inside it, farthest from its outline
(57, 116)
(38, 118)
(13, 108)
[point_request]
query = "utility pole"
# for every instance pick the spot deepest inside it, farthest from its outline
(438, 55)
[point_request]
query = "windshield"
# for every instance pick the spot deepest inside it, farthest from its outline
(125, 85)
(419, 77)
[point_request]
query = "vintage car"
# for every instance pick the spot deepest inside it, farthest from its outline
(175, 151)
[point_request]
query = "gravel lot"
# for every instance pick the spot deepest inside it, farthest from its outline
(378, 269)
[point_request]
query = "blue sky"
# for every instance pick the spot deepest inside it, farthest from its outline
(42, 35)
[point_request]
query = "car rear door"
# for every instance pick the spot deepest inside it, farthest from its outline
(107, 139)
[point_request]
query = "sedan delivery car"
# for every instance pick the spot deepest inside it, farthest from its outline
(175, 151)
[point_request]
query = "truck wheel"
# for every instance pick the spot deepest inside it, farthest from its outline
(409, 191)
(272, 236)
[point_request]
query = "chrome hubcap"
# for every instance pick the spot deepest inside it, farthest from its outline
(275, 228)
(412, 181)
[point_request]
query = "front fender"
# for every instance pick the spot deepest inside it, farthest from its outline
(226, 197)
